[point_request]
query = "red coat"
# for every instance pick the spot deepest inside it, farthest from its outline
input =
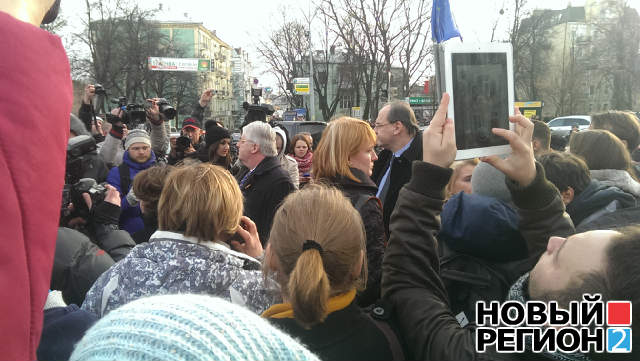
(35, 103)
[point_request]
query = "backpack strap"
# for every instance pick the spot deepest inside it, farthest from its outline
(379, 315)
(125, 180)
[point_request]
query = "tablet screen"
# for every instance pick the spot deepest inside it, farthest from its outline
(480, 98)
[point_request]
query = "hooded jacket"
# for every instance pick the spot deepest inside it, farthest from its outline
(289, 164)
(36, 98)
(596, 200)
(172, 263)
(483, 227)
(131, 217)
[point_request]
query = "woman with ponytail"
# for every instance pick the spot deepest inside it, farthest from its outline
(316, 252)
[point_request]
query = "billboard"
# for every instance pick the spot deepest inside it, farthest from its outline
(179, 64)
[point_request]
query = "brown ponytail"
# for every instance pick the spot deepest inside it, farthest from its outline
(316, 243)
(309, 289)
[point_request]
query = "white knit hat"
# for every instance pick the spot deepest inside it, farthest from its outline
(137, 136)
(186, 327)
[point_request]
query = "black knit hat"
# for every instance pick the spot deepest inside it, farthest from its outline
(214, 132)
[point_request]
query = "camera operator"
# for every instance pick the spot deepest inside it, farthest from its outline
(93, 166)
(137, 157)
(111, 149)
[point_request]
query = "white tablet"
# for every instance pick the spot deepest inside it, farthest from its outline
(479, 80)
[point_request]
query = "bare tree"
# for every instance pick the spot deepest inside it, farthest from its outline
(120, 38)
(284, 53)
(535, 48)
(415, 51)
(616, 46)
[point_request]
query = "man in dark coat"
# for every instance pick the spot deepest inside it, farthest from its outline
(397, 132)
(264, 183)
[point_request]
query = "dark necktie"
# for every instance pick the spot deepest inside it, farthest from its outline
(244, 179)
(387, 182)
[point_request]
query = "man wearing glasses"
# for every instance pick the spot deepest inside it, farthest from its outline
(396, 129)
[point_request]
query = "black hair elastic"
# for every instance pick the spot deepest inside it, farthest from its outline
(309, 244)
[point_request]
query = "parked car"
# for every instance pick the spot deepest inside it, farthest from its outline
(562, 125)
(296, 126)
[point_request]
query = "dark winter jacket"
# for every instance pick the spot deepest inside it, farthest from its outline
(62, 329)
(483, 227)
(619, 218)
(411, 280)
(131, 217)
(597, 200)
(171, 263)
(371, 214)
(347, 334)
(264, 190)
(77, 265)
(399, 175)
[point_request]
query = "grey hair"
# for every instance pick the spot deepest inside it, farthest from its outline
(263, 135)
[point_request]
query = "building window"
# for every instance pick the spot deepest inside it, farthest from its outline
(346, 102)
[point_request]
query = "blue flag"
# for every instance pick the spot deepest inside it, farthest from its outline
(442, 25)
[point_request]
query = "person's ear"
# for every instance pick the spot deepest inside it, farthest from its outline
(270, 259)
(567, 195)
(357, 269)
(535, 144)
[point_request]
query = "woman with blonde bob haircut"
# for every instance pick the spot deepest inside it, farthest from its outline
(319, 261)
(344, 159)
(200, 208)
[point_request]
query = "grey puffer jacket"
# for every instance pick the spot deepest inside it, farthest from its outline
(171, 263)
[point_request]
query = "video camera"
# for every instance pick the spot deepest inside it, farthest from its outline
(134, 114)
(256, 111)
(75, 185)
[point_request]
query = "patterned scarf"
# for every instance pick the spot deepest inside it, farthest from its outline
(304, 163)
(518, 292)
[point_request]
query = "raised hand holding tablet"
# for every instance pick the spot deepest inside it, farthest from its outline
(520, 166)
(439, 139)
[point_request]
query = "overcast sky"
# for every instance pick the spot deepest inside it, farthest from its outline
(241, 23)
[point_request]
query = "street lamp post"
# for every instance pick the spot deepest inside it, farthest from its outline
(312, 99)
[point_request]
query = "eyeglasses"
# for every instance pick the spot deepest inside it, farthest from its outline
(376, 125)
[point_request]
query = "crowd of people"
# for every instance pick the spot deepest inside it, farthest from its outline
(372, 244)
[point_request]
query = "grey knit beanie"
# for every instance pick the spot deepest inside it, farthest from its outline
(488, 181)
(137, 136)
(186, 327)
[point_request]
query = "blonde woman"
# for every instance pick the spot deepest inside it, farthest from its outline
(460, 180)
(344, 159)
(199, 210)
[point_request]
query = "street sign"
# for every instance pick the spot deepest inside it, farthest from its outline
(301, 86)
(356, 112)
(531, 104)
(420, 100)
(179, 64)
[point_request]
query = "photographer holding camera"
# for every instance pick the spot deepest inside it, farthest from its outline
(153, 114)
